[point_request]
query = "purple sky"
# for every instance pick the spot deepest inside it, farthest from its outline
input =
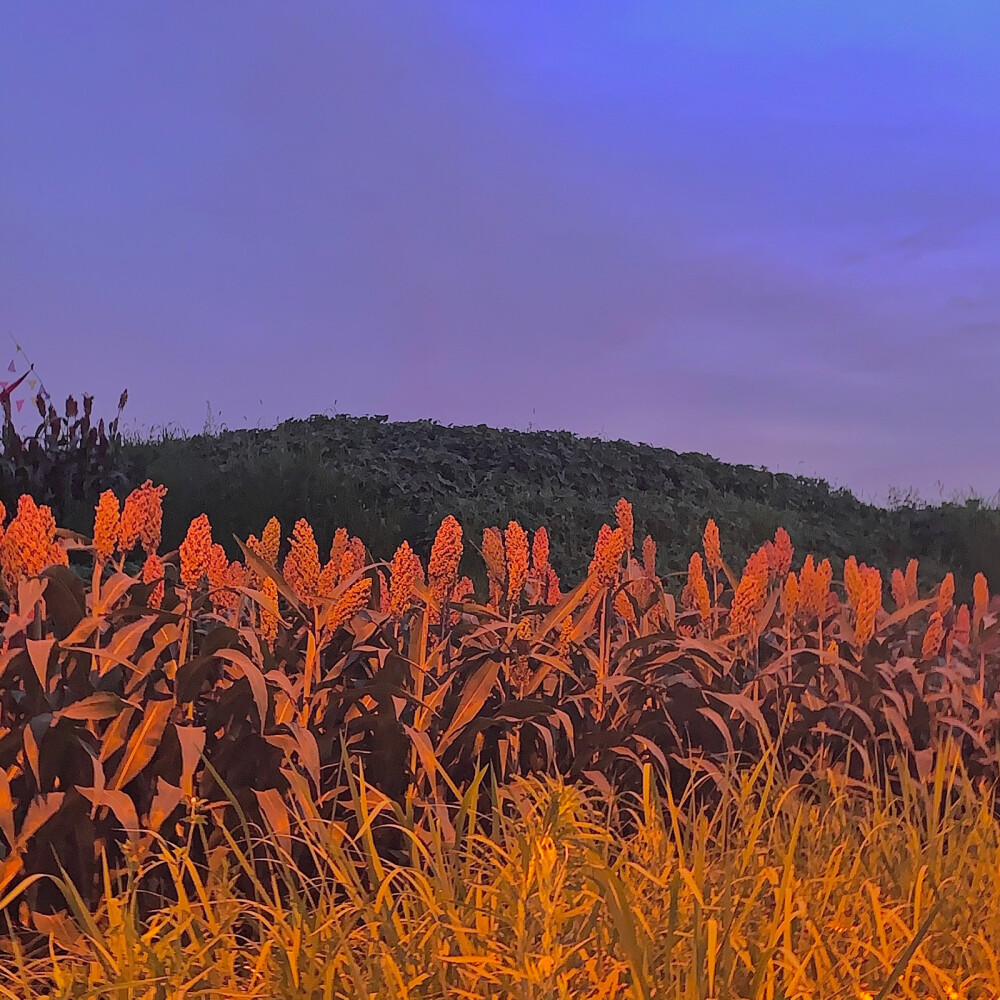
(767, 231)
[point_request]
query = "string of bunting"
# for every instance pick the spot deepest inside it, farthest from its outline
(22, 374)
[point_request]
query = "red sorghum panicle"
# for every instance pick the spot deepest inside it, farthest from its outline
(899, 588)
(649, 557)
(540, 550)
(494, 557)
(946, 593)
(553, 595)
(712, 546)
(106, 526)
(130, 523)
(782, 553)
(932, 637)
(194, 551)
(236, 576)
(623, 514)
(911, 581)
(698, 585)
(562, 646)
(270, 542)
(152, 569)
(465, 590)
(268, 622)
(357, 549)
(341, 543)
(301, 566)
(216, 569)
(152, 525)
(354, 600)
(446, 554)
(403, 575)
(608, 552)
(26, 545)
(962, 631)
(348, 564)
(623, 607)
(981, 599)
(853, 583)
(750, 594)
(790, 596)
(868, 605)
(516, 544)
(327, 582)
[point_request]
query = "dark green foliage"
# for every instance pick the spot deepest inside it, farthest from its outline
(389, 481)
(66, 463)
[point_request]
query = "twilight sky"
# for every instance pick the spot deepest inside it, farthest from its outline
(768, 231)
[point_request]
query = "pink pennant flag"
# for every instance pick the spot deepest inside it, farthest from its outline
(10, 367)
(20, 403)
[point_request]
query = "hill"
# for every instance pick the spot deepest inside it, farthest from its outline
(387, 481)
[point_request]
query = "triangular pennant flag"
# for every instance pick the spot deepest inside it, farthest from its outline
(20, 403)
(32, 382)
(10, 367)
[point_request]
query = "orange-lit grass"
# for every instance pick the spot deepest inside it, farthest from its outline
(845, 890)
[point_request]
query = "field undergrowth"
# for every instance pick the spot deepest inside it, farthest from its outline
(363, 774)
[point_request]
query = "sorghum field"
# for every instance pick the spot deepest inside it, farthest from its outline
(339, 775)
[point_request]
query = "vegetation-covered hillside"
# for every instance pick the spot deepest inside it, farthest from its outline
(387, 481)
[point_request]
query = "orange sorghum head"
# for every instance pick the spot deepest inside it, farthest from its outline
(357, 549)
(608, 552)
(623, 514)
(194, 551)
(649, 557)
(946, 593)
(268, 622)
(446, 554)
(553, 595)
(494, 557)
(868, 605)
(26, 547)
(341, 543)
(781, 553)
(354, 600)
(403, 575)
(516, 544)
(152, 525)
(327, 582)
(106, 526)
(565, 630)
(540, 550)
(215, 569)
(349, 563)
(131, 521)
(790, 596)
(899, 588)
(301, 566)
(465, 590)
(236, 576)
(57, 555)
(383, 593)
(962, 631)
(270, 541)
(750, 594)
(932, 637)
(698, 585)
(853, 584)
(712, 546)
(911, 581)
(981, 599)
(623, 607)
(152, 569)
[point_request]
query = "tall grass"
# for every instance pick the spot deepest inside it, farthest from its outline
(835, 889)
